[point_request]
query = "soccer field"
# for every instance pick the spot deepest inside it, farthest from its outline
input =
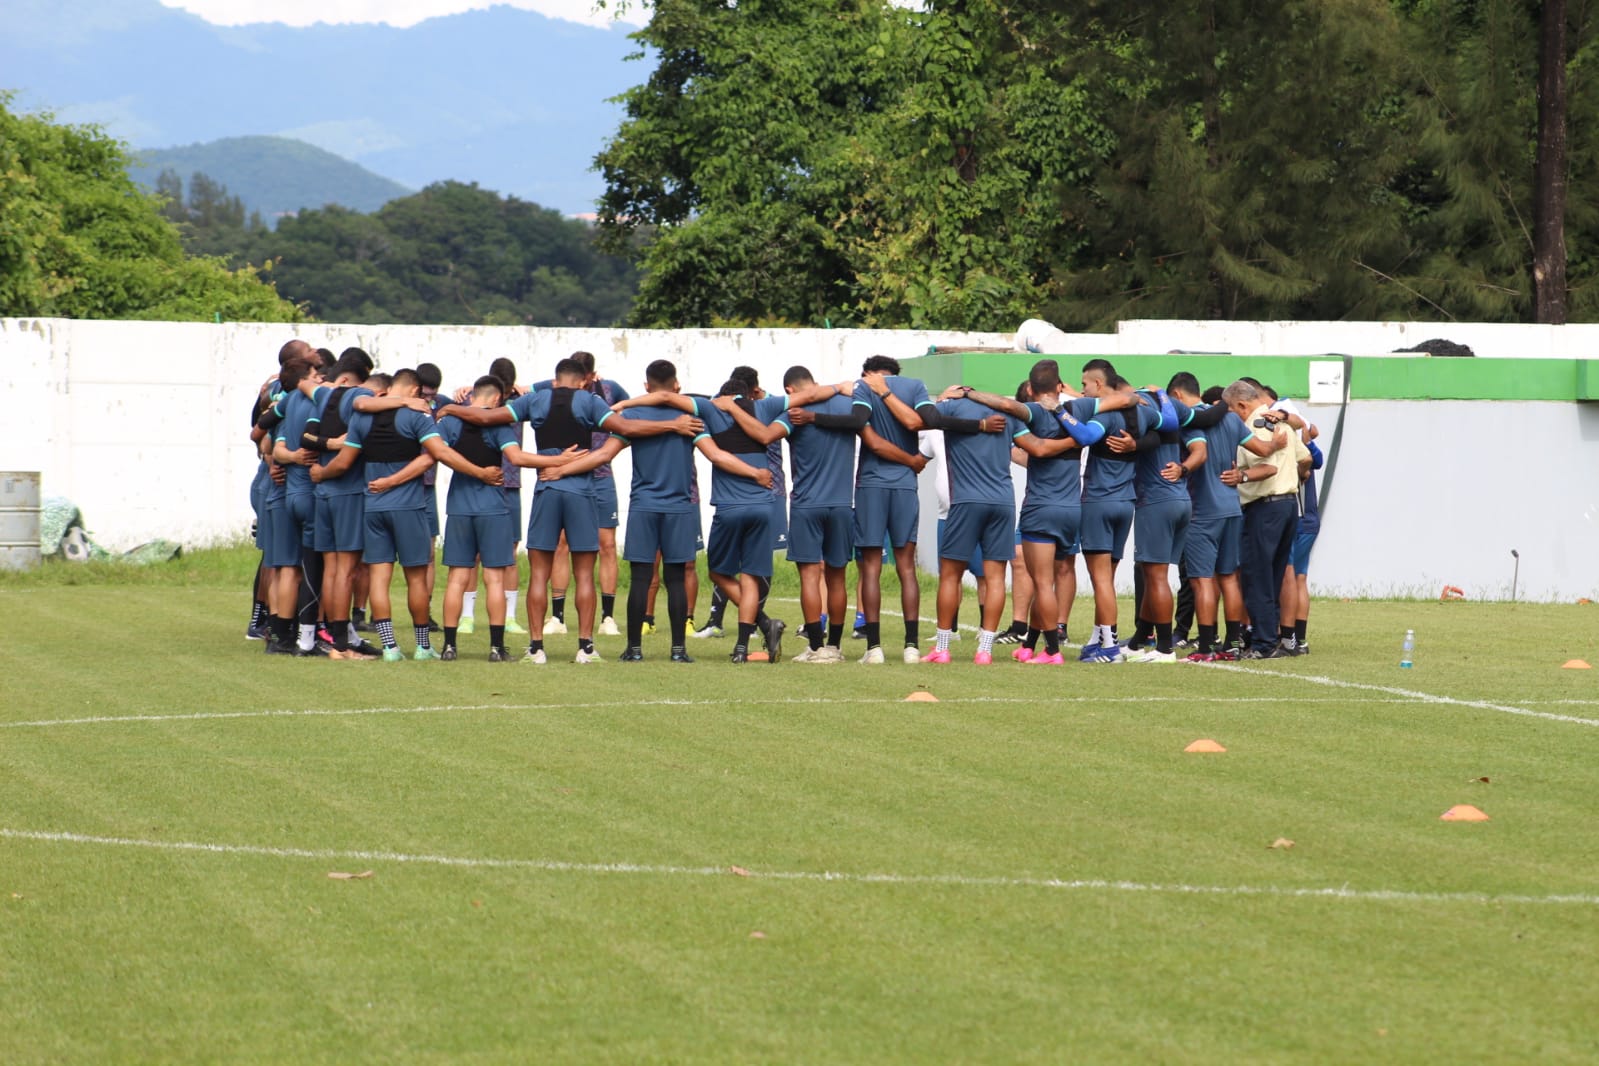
(625, 863)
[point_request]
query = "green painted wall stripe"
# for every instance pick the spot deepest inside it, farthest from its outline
(1371, 377)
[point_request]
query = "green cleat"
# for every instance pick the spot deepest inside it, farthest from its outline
(393, 655)
(424, 654)
(467, 625)
(512, 627)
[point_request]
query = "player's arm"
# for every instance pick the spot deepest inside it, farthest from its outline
(729, 463)
(519, 456)
(1018, 456)
(1003, 404)
(1264, 447)
(1199, 417)
(636, 428)
(678, 400)
(284, 456)
(583, 462)
(409, 472)
(371, 405)
(1039, 448)
(1193, 460)
(340, 463)
(858, 416)
(443, 453)
(891, 453)
(474, 416)
(753, 427)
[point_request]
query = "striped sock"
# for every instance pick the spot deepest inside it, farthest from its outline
(421, 635)
(385, 628)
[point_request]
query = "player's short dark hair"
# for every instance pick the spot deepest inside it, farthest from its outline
(880, 364)
(1183, 381)
(1101, 365)
(748, 375)
(660, 372)
(732, 387)
(1044, 377)
(1213, 394)
(403, 378)
(504, 369)
(489, 381)
(568, 368)
(1024, 391)
(1114, 380)
(378, 381)
(428, 375)
(351, 364)
(796, 375)
(296, 370)
(360, 355)
(328, 359)
(1269, 391)
(584, 360)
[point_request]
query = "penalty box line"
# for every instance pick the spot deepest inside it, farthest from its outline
(814, 701)
(1332, 892)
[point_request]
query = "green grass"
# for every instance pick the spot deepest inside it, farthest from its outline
(130, 954)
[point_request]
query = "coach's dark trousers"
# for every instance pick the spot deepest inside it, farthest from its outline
(1269, 527)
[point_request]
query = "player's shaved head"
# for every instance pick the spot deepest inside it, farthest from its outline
(405, 382)
(489, 389)
(797, 376)
(662, 372)
(1044, 377)
(292, 349)
(570, 373)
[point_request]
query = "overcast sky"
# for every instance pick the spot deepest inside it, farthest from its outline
(394, 12)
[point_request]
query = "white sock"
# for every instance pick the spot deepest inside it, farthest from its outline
(942, 643)
(510, 604)
(469, 605)
(307, 637)
(985, 641)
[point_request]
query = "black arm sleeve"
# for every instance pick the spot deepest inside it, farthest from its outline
(269, 419)
(1206, 417)
(853, 421)
(932, 419)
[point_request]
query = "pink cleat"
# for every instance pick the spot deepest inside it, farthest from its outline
(1022, 655)
(1047, 659)
(936, 657)
(982, 658)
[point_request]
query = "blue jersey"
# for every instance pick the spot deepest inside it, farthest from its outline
(298, 410)
(587, 410)
(1212, 498)
(663, 465)
(353, 481)
(733, 490)
(978, 464)
(823, 459)
(411, 425)
(273, 491)
(1310, 514)
(469, 495)
(1150, 487)
(1055, 481)
(876, 472)
(1108, 478)
(767, 408)
(610, 393)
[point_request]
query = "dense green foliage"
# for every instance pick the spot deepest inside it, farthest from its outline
(78, 239)
(972, 163)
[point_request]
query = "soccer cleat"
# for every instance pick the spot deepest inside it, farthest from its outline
(1304, 649)
(608, 627)
(1183, 643)
(772, 634)
(1225, 655)
(587, 657)
(873, 656)
(831, 654)
(511, 626)
(707, 631)
(257, 633)
(1150, 655)
(276, 647)
(448, 655)
(315, 651)
(983, 658)
(467, 625)
(858, 630)
(680, 656)
(1089, 651)
(740, 655)
(647, 628)
(1276, 651)
(363, 626)
(1201, 657)
(1022, 655)
(537, 658)
(553, 625)
(936, 656)
(365, 650)
(806, 656)
(393, 655)
(499, 655)
(912, 655)
(1010, 636)
(424, 655)
(1047, 659)
(632, 655)
(433, 627)
(1111, 654)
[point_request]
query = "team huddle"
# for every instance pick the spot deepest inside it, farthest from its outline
(1218, 485)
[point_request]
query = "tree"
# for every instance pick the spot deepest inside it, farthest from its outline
(78, 239)
(1549, 169)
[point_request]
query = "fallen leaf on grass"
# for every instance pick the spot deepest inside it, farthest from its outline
(477, 903)
(16, 895)
(339, 875)
(1478, 781)
(1281, 844)
(757, 935)
(739, 870)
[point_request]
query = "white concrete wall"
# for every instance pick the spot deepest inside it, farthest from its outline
(1489, 340)
(143, 425)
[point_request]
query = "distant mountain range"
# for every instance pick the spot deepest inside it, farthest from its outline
(274, 175)
(510, 99)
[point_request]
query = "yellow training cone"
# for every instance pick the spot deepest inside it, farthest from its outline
(1464, 812)
(1576, 664)
(1204, 746)
(921, 697)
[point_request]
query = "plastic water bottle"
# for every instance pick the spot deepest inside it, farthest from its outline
(1408, 655)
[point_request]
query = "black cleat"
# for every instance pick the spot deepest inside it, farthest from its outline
(680, 656)
(367, 649)
(448, 655)
(632, 655)
(772, 633)
(315, 651)
(499, 655)
(258, 633)
(740, 655)
(363, 626)
(275, 647)
(433, 627)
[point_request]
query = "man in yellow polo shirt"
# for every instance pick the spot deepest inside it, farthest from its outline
(1268, 489)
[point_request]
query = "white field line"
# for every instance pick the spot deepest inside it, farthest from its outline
(1420, 697)
(344, 712)
(946, 880)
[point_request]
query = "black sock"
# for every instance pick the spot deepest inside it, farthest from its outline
(1299, 629)
(281, 628)
(1141, 634)
(585, 646)
(257, 613)
(339, 630)
(913, 633)
(1285, 632)
(1018, 626)
(746, 630)
(718, 605)
(1060, 633)
(835, 633)
(764, 584)
(1207, 639)
(535, 645)
(358, 616)
(638, 596)
(813, 634)
(1051, 641)
(558, 607)
(874, 634)
(496, 636)
(673, 576)
(649, 619)
(1232, 634)
(1163, 637)
(607, 605)
(1030, 640)
(449, 636)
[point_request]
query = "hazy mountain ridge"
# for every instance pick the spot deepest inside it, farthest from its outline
(507, 98)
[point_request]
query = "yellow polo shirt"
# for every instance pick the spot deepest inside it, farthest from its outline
(1286, 462)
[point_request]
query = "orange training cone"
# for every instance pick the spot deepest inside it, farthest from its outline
(1576, 664)
(758, 657)
(1463, 812)
(921, 696)
(1207, 746)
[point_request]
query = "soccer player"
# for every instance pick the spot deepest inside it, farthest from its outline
(431, 377)
(1108, 497)
(398, 442)
(268, 476)
(340, 504)
(298, 583)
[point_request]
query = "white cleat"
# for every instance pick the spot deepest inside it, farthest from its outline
(912, 656)
(554, 625)
(608, 627)
(873, 657)
(588, 657)
(1152, 656)
(831, 654)
(537, 658)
